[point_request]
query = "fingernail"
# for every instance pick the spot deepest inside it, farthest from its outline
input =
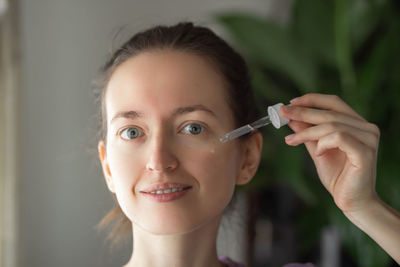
(294, 100)
(287, 108)
(289, 137)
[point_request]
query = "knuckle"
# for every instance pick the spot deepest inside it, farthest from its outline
(335, 98)
(332, 126)
(374, 141)
(300, 113)
(310, 96)
(375, 129)
(340, 136)
(329, 116)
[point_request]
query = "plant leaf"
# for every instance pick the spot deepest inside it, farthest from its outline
(271, 45)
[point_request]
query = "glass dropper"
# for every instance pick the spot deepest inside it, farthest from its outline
(273, 117)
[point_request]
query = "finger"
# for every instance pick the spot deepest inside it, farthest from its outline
(298, 126)
(317, 116)
(358, 154)
(317, 132)
(323, 101)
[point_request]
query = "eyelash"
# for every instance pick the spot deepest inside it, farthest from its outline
(203, 125)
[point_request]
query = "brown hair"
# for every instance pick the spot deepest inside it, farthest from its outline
(189, 38)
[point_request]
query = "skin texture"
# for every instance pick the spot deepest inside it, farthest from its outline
(344, 147)
(155, 84)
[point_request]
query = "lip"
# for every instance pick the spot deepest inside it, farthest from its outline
(165, 197)
(164, 186)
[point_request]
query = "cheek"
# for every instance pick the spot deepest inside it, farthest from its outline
(125, 161)
(215, 171)
(122, 166)
(125, 170)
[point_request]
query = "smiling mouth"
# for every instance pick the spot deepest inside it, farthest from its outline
(169, 190)
(165, 188)
(166, 195)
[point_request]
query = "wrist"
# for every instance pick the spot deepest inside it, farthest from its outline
(359, 204)
(382, 223)
(368, 209)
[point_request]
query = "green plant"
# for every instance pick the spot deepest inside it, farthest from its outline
(343, 47)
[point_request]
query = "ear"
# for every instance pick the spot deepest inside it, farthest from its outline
(251, 159)
(106, 168)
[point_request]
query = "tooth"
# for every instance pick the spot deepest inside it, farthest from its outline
(166, 191)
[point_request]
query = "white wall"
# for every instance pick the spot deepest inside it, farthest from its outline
(62, 190)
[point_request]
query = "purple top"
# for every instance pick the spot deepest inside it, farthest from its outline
(232, 263)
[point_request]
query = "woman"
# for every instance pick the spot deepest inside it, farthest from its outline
(167, 95)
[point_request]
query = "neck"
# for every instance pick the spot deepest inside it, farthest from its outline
(196, 248)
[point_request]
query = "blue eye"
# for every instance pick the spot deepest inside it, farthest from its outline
(193, 128)
(131, 133)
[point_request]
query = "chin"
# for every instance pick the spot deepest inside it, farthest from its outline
(174, 226)
(170, 227)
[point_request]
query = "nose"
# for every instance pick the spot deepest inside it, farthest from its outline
(160, 157)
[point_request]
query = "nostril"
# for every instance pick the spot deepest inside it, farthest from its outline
(161, 158)
(165, 165)
(161, 168)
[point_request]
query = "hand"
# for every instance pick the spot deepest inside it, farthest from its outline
(342, 144)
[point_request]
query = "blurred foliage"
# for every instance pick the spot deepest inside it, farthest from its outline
(343, 47)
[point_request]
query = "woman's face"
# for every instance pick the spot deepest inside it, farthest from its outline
(165, 112)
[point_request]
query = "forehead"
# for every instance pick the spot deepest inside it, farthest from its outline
(158, 82)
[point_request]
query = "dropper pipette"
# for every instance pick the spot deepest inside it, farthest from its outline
(273, 117)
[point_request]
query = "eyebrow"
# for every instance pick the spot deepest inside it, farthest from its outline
(132, 114)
